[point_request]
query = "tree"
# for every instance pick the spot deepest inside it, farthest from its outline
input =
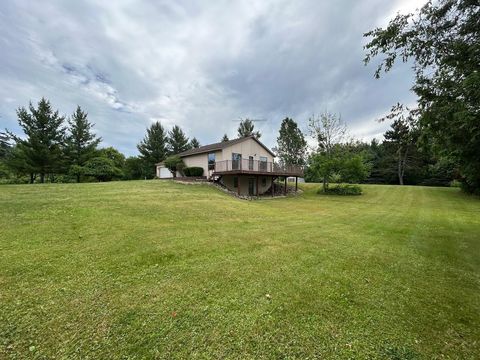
(42, 149)
(224, 138)
(174, 163)
(177, 141)
(328, 130)
(134, 168)
(101, 168)
(113, 154)
(292, 146)
(153, 148)
(4, 145)
(81, 142)
(246, 128)
(339, 164)
(442, 40)
(401, 137)
(194, 143)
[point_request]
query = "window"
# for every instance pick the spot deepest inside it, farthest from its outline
(211, 161)
(235, 182)
(264, 182)
(263, 163)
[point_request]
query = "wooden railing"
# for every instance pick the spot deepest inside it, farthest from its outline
(248, 165)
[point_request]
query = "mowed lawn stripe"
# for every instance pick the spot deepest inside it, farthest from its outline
(154, 269)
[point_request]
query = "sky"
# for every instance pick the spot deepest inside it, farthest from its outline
(201, 65)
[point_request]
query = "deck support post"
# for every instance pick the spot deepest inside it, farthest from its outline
(257, 185)
(238, 183)
(285, 189)
(273, 185)
(296, 183)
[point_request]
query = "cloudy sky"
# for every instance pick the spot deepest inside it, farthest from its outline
(198, 64)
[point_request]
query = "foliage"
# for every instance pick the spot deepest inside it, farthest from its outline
(341, 189)
(41, 151)
(292, 146)
(193, 171)
(174, 163)
(101, 168)
(442, 40)
(338, 165)
(194, 143)
(402, 137)
(81, 143)
(153, 148)
(134, 168)
(224, 138)
(328, 130)
(246, 128)
(113, 154)
(177, 141)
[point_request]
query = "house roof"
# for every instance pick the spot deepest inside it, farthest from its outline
(220, 146)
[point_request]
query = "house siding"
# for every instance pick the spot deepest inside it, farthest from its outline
(247, 148)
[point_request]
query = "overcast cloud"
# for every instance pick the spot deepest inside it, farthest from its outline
(197, 64)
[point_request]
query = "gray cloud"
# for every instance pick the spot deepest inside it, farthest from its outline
(196, 64)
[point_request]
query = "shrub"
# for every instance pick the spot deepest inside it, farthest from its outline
(193, 171)
(342, 189)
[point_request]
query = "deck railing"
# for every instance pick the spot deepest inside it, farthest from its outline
(250, 165)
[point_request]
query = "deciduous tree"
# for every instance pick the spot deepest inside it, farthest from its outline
(442, 41)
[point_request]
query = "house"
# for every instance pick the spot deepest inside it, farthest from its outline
(244, 165)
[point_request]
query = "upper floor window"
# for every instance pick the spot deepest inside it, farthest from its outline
(211, 161)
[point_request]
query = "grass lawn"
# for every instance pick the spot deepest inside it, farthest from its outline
(153, 269)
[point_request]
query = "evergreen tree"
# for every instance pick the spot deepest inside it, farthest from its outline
(153, 148)
(246, 128)
(177, 140)
(81, 142)
(194, 143)
(224, 138)
(292, 146)
(42, 149)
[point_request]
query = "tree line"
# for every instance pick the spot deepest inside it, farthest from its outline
(56, 148)
(59, 149)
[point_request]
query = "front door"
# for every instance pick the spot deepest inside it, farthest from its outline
(236, 161)
(250, 163)
(251, 186)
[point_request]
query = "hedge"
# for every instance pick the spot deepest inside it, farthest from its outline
(193, 171)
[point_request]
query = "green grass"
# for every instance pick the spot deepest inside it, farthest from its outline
(153, 269)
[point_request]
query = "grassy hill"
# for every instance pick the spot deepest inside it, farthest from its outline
(153, 269)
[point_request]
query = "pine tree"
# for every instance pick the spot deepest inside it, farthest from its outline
(81, 142)
(153, 148)
(194, 143)
(292, 146)
(224, 138)
(177, 140)
(42, 149)
(246, 128)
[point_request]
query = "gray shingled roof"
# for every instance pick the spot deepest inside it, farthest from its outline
(220, 146)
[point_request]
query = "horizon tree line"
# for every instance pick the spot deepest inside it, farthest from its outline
(59, 148)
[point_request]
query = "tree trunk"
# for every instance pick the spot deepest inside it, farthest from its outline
(325, 184)
(42, 178)
(78, 178)
(32, 178)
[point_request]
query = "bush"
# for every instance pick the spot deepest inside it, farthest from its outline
(193, 171)
(341, 189)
